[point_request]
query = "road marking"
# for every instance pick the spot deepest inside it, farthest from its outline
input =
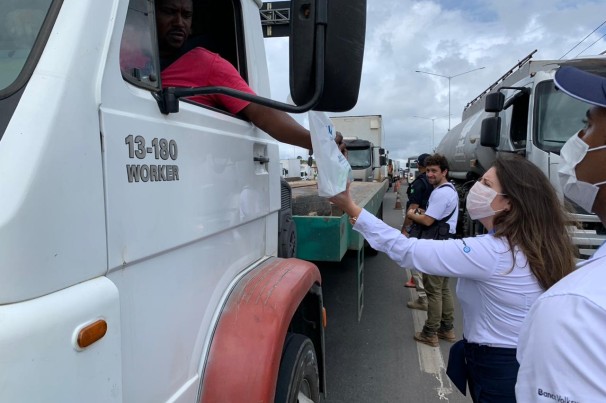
(430, 358)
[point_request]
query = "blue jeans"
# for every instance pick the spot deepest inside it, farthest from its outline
(491, 373)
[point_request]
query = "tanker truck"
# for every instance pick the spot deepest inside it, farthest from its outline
(525, 114)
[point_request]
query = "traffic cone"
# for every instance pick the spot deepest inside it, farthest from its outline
(410, 283)
(398, 203)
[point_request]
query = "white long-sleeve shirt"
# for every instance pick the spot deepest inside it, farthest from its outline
(494, 291)
(562, 342)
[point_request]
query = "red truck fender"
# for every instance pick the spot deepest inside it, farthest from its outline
(247, 345)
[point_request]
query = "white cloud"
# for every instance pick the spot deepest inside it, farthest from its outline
(448, 37)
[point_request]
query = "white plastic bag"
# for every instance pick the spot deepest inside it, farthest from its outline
(333, 168)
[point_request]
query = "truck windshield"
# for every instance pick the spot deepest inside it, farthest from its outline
(21, 24)
(413, 165)
(359, 158)
(558, 116)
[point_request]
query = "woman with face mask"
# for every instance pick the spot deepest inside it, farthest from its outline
(526, 251)
(562, 342)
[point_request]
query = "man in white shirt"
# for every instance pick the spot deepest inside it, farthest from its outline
(562, 343)
(443, 206)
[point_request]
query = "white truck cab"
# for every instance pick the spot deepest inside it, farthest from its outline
(138, 230)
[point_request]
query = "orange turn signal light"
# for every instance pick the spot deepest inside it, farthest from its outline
(92, 333)
(324, 317)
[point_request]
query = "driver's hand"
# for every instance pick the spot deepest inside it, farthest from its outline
(341, 144)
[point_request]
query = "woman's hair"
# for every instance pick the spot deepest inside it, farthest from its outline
(536, 221)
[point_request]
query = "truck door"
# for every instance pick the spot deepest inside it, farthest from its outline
(187, 206)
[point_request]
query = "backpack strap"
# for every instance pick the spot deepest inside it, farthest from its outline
(450, 185)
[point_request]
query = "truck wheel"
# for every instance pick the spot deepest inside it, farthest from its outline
(287, 239)
(298, 377)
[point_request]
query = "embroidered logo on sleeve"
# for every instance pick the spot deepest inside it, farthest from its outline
(466, 248)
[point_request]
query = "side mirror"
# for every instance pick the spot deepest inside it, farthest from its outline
(383, 160)
(326, 51)
(494, 102)
(381, 151)
(490, 134)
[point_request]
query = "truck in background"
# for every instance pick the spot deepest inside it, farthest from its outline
(413, 169)
(139, 231)
(364, 134)
(396, 169)
(522, 113)
(291, 168)
(364, 159)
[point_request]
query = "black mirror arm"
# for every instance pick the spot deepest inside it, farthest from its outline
(168, 98)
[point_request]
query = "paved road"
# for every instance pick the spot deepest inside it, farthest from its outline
(377, 359)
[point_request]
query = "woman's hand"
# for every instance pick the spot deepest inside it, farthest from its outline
(344, 201)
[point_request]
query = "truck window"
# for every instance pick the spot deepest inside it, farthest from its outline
(359, 158)
(20, 27)
(558, 116)
(519, 121)
(216, 26)
(138, 58)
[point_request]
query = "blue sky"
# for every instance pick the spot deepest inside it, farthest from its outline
(448, 37)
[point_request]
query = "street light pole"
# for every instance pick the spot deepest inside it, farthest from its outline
(449, 78)
(433, 121)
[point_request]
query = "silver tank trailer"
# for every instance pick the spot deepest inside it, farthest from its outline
(461, 147)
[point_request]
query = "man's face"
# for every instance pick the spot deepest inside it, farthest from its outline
(173, 22)
(435, 176)
(591, 168)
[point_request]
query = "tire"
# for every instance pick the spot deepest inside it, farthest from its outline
(287, 237)
(298, 374)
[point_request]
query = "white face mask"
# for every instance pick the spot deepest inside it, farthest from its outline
(572, 153)
(479, 199)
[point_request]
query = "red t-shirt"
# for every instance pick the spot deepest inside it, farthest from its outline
(202, 68)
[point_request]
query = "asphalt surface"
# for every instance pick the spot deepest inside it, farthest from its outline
(377, 359)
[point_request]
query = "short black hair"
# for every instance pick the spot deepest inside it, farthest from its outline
(421, 159)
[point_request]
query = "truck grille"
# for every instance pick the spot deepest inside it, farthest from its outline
(286, 195)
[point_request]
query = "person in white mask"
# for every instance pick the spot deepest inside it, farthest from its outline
(526, 251)
(562, 342)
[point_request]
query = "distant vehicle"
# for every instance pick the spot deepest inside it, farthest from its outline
(521, 113)
(369, 128)
(413, 170)
(365, 159)
(291, 168)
